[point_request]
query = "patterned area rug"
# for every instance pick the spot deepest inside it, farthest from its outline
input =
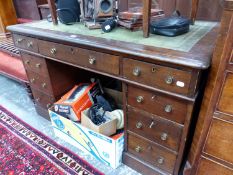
(26, 151)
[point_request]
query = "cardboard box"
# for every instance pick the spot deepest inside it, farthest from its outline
(108, 128)
(106, 149)
(79, 98)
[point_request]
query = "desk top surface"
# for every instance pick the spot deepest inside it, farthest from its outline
(193, 49)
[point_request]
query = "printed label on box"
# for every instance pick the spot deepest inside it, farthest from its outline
(89, 141)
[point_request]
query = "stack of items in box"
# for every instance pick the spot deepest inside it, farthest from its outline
(88, 118)
(132, 19)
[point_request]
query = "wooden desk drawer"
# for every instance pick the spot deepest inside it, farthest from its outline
(151, 153)
(225, 103)
(219, 142)
(26, 43)
(40, 82)
(35, 64)
(42, 99)
(158, 104)
(166, 78)
(59, 51)
(99, 61)
(87, 58)
(154, 128)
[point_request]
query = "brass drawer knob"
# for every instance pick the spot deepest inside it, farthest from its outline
(38, 99)
(160, 160)
(32, 80)
(27, 62)
(138, 125)
(169, 80)
(164, 136)
(92, 60)
(19, 40)
(138, 149)
(139, 99)
(168, 108)
(48, 105)
(53, 51)
(136, 71)
(43, 85)
(38, 65)
(30, 44)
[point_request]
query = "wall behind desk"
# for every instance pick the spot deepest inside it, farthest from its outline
(207, 10)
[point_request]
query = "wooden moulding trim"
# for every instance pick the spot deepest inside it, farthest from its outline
(217, 160)
(227, 4)
(188, 99)
(129, 50)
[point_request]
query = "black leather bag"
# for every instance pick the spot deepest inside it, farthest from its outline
(171, 26)
(68, 11)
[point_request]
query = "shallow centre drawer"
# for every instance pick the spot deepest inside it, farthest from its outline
(167, 107)
(83, 57)
(156, 129)
(151, 153)
(162, 77)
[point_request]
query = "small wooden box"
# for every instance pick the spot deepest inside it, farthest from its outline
(108, 128)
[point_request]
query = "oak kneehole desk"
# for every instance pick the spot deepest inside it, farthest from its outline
(161, 80)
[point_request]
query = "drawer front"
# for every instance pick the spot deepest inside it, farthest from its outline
(42, 99)
(35, 64)
(99, 61)
(153, 102)
(151, 153)
(40, 82)
(166, 78)
(219, 142)
(59, 51)
(209, 167)
(154, 128)
(26, 43)
(225, 103)
(87, 58)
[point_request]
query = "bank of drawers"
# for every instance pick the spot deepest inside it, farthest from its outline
(40, 84)
(155, 125)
